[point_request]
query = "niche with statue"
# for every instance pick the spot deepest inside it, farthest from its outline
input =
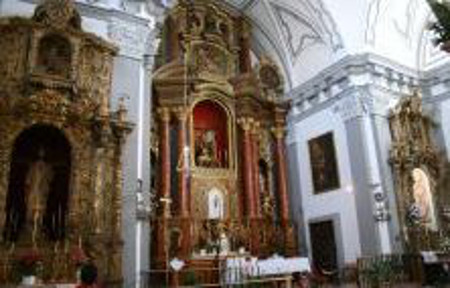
(417, 174)
(60, 153)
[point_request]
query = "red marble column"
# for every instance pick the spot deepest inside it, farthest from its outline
(255, 221)
(183, 196)
(165, 157)
(249, 183)
(248, 167)
(182, 165)
(164, 193)
(279, 133)
(255, 170)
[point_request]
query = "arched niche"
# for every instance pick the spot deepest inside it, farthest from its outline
(38, 190)
(216, 204)
(210, 135)
(54, 55)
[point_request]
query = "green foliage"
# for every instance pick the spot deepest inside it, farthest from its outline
(190, 279)
(380, 271)
(441, 27)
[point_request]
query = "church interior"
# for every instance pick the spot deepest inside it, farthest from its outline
(233, 143)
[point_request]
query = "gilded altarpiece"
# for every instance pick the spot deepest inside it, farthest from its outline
(220, 160)
(55, 88)
(418, 177)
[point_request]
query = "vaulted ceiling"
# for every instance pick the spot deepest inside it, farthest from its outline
(287, 29)
(306, 36)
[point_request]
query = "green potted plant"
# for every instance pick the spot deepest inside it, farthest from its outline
(441, 27)
(380, 273)
(190, 279)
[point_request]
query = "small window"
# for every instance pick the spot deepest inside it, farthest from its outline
(323, 163)
(54, 56)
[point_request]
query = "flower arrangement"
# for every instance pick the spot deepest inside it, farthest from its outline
(441, 27)
(28, 262)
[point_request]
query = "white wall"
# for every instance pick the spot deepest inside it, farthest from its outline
(16, 8)
(340, 201)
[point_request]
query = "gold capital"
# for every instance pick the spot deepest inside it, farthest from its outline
(278, 132)
(256, 127)
(181, 113)
(164, 114)
(246, 123)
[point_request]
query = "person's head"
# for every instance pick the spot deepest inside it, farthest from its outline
(88, 274)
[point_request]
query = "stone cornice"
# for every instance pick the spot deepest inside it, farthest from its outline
(436, 84)
(133, 41)
(367, 70)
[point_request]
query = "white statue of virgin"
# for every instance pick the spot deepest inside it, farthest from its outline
(423, 198)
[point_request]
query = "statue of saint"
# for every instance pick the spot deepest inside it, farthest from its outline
(215, 204)
(207, 149)
(423, 198)
(37, 186)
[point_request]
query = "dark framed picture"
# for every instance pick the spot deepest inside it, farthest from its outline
(324, 168)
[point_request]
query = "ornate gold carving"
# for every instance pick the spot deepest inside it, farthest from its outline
(209, 59)
(246, 123)
(164, 114)
(80, 110)
(213, 45)
(270, 78)
(256, 128)
(13, 55)
(279, 132)
(412, 150)
(181, 113)
(60, 14)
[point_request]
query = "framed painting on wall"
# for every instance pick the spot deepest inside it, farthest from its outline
(324, 169)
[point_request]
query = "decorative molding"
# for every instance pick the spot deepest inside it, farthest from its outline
(378, 12)
(318, 27)
(373, 14)
(132, 39)
(291, 23)
(367, 70)
(353, 106)
(406, 30)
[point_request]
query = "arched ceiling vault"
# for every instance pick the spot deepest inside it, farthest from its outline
(307, 36)
(287, 30)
